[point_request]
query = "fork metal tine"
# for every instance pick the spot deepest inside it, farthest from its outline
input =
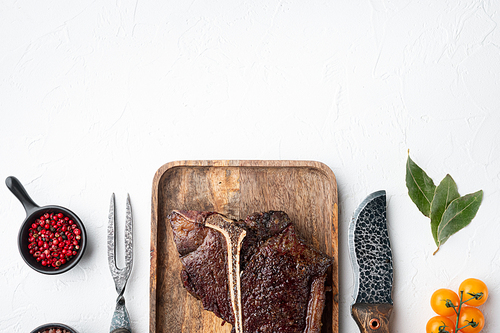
(111, 237)
(128, 237)
(120, 275)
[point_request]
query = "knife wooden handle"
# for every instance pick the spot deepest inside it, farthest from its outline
(372, 318)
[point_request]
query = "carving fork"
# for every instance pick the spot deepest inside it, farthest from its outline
(120, 323)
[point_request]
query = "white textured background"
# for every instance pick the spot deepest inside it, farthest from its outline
(96, 95)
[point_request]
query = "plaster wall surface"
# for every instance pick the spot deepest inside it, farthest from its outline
(96, 95)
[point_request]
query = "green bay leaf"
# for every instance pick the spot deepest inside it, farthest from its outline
(445, 193)
(458, 215)
(421, 188)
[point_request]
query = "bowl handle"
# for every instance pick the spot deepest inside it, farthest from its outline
(19, 191)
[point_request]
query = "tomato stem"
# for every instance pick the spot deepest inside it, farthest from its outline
(474, 296)
(442, 329)
(458, 313)
(470, 299)
(471, 323)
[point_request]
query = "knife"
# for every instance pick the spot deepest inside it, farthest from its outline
(371, 258)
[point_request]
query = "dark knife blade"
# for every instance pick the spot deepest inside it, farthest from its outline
(371, 256)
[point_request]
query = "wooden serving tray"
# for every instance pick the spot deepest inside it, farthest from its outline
(306, 191)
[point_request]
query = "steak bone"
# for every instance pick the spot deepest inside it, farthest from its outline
(234, 237)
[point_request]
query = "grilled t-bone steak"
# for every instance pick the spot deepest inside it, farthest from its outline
(255, 273)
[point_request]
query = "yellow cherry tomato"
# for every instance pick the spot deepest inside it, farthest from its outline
(440, 324)
(471, 320)
(453, 319)
(475, 291)
(443, 302)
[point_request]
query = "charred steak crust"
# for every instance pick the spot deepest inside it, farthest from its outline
(276, 284)
(189, 229)
(260, 227)
(204, 275)
(282, 279)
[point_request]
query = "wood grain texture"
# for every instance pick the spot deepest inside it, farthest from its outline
(305, 190)
(372, 318)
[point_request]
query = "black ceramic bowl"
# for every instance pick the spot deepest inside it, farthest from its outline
(42, 328)
(33, 212)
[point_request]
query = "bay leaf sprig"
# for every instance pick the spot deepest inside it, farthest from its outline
(448, 211)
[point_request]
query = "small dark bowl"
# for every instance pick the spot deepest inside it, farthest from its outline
(33, 211)
(53, 325)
